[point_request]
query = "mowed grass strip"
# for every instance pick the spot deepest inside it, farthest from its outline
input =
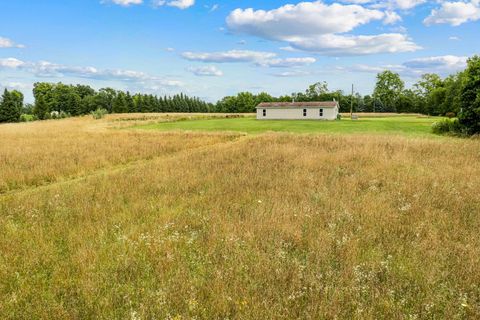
(396, 125)
(277, 226)
(34, 154)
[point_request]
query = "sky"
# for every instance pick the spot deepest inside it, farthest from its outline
(211, 48)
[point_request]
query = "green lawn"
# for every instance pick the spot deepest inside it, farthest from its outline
(404, 125)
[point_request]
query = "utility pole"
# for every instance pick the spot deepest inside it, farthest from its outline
(351, 105)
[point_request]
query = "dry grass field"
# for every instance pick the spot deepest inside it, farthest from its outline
(98, 222)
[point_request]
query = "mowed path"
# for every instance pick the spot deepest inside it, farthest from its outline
(270, 226)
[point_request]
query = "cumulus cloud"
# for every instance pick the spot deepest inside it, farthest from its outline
(454, 13)
(305, 18)
(206, 71)
(7, 43)
(321, 28)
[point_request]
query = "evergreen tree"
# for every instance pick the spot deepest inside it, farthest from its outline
(9, 108)
(119, 105)
(130, 104)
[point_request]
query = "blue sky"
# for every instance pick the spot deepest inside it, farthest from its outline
(211, 49)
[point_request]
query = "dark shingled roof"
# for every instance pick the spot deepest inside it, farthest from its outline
(324, 104)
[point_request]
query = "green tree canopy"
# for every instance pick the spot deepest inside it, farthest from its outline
(469, 116)
(388, 89)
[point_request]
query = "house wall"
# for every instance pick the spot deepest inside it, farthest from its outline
(284, 113)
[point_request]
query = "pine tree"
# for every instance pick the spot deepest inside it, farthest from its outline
(130, 103)
(119, 104)
(9, 109)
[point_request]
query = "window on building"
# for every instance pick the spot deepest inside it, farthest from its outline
(264, 112)
(321, 112)
(304, 112)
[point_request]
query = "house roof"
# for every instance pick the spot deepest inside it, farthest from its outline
(323, 104)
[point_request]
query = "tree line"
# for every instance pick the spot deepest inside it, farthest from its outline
(82, 99)
(457, 94)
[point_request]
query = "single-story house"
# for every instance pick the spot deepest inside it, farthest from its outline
(321, 110)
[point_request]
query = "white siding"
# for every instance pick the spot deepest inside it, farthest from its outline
(285, 113)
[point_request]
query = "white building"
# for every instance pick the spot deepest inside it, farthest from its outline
(323, 110)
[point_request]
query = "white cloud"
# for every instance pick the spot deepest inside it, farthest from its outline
(124, 3)
(16, 86)
(7, 43)
(454, 13)
(52, 70)
(319, 27)
(181, 4)
(229, 56)
(206, 71)
(287, 63)
(340, 45)
(454, 38)
(11, 63)
(291, 74)
(443, 65)
(390, 4)
(259, 58)
(391, 17)
(305, 18)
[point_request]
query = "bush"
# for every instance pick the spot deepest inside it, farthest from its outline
(447, 126)
(27, 117)
(450, 115)
(339, 117)
(99, 113)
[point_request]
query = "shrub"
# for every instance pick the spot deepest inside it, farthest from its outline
(27, 117)
(99, 113)
(339, 117)
(450, 115)
(447, 126)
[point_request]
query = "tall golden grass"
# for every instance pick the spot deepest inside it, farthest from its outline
(276, 226)
(39, 153)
